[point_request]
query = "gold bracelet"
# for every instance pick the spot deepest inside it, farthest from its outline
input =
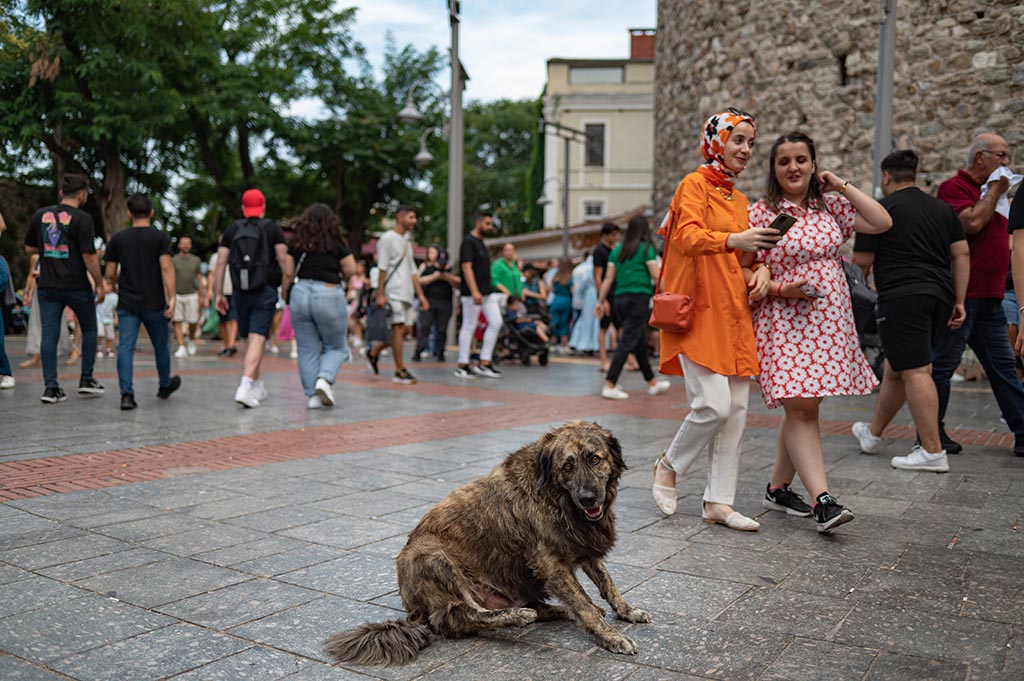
(842, 190)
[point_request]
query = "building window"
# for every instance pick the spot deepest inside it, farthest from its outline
(585, 75)
(595, 144)
(593, 209)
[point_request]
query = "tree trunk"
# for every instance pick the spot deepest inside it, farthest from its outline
(243, 151)
(113, 210)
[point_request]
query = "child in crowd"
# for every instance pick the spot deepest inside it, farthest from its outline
(516, 315)
(106, 319)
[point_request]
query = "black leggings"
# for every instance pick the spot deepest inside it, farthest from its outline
(436, 319)
(636, 310)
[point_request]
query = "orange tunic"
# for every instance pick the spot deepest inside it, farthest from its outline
(722, 335)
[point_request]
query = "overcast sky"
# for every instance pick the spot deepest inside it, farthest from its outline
(505, 44)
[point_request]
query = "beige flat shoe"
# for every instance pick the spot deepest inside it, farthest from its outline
(735, 521)
(664, 496)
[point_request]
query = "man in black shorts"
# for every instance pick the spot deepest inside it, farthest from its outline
(609, 237)
(255, 302)
(918, 297)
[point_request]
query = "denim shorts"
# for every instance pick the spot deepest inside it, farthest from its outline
(1010, 307)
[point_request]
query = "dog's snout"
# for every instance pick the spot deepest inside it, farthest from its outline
(588, 498)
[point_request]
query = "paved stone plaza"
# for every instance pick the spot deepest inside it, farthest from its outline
(196, 540)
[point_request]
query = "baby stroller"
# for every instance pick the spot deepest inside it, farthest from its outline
(519, 337)
(865, 317)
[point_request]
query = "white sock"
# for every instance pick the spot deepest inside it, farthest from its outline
(247, 382)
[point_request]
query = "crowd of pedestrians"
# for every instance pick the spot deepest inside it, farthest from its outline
(769, 297)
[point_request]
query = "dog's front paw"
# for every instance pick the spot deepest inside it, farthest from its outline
(635, 615)
(619, 643)
(523, 616)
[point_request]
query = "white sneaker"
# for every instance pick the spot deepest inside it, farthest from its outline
(658, 388)
(6, 382)
(181, 352)
(920, 460)
(191, 347)
(274, 349)
(324, 392)
(314, 402)
(614, 393)
(869, 442)
(294, 354)
(99, 353)
(259, 389)
(247, 397)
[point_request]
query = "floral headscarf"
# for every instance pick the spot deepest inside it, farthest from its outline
(715, 134)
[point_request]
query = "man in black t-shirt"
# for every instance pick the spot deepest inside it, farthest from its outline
(609, 237)
(146, 296)
(478, 296)
(63, 236)
(254, 308)
(918, 297)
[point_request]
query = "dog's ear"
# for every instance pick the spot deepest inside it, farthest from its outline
(615, 448)
(542, 462)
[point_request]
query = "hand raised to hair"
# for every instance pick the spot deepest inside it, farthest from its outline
(829, 181)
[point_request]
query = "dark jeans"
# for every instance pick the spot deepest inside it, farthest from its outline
(435, 319)
(985, 331)
(128, 323)
(52, 302)
(635, 310)
(5, 364)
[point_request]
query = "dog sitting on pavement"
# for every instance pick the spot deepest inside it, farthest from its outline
(492, 552)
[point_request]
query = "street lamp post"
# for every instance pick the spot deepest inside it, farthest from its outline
(567, 135)
(455, 139)
(883, 95)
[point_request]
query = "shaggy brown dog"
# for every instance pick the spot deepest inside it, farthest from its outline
(491, 552)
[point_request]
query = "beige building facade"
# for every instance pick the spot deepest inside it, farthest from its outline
(612, 101)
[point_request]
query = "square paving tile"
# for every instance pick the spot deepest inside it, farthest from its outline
(738, 565)
(254, 664)
(515, 661)
(156, 654)
(822, 577)
(166, 523)
(369, 504)
(696, 597)
(292, 559)
(10, 573)
(360, 576)
(204, 539)
(344, 532)
(162, 582)
(67, 627)
(809, 660)
(34, 592)
(70, 572)
(888, 667)
(787, 612)
(921, 591)
(238, 603)
(63, 551)
(282, 518)
(240, 553)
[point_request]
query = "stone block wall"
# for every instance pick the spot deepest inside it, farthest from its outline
(959, 70)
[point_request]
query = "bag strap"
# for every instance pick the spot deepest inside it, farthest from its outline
(299, 266)
(664, 259)
(394, 269)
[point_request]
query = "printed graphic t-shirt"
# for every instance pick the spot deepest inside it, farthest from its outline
(62, 234)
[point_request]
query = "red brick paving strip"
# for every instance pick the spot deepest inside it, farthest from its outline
(54, 475)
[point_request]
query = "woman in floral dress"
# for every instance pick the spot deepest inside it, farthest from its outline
(807, 345)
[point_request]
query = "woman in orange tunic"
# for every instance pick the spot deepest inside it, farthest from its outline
(706, 226)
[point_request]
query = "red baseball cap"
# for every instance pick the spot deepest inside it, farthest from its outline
(253, 203)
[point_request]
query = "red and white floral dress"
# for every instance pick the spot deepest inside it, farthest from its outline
(809, 348)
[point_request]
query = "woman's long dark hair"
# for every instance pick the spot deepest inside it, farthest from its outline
(772, 190)
(637, 232)
(317, 230)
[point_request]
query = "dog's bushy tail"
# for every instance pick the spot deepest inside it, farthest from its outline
(382, 643)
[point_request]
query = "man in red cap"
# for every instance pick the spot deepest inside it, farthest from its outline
(252, 247)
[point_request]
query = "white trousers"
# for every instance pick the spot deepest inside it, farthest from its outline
(717, 419)
(491, 307)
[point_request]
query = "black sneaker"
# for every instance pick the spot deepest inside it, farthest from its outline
(90, 386)
(416, 357)
(128, 402)
(53, 395)
(462, 371)
(1018, 448)
(488, 370)
(828, 514)
(951, 446)
(165, 392)
(371, 361)
(403, 377)
(785, 500)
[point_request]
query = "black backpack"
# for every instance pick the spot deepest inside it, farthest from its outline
(251, 258)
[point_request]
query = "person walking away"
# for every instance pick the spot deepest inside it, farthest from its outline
(6, 294)
(106, 319)
(611, 322)
(398, 287)
(63, 235)
(437, 282)
(984, 329)
(478, 296)
(585, 330)
(807, 342)
(227, 324)
(253, 246)
(918, 297)
(189, 281)
(706, 225)
(560, 308)
(633, 264)
(319, 256)
(139, 263)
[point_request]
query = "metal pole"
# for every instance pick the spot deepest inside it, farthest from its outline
(883, 96)
(565, 202)
(455, 141)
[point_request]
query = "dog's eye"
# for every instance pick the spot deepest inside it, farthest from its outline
(567, 467)
(594, 459)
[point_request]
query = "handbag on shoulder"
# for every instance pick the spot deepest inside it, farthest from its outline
(671, 312)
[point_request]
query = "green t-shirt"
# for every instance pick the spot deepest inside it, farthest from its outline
(186, 269)
(508, 276)
(632, 276)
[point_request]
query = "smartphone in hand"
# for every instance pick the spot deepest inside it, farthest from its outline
(782, 222)
(812, 291)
